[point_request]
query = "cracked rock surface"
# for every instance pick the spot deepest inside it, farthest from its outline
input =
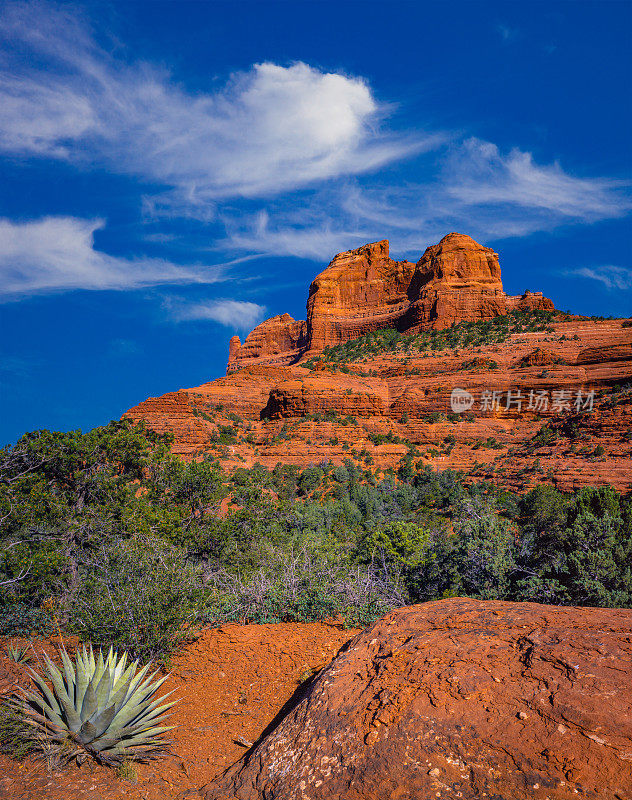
(457, 698)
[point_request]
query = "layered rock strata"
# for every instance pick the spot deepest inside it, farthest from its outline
(278, 340)
(380, 403)
(364, 290)
(324, 393)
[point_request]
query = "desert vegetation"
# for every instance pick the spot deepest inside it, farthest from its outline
(108, 536)
(462, 335)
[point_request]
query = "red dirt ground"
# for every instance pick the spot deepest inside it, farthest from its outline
(232, 682)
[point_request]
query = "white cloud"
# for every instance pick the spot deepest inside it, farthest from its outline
(478, 174)
(612, 277)
(268, 132)
(269, 129)
(57, 254)
(478, 190)
(236, 314)
(41, 119)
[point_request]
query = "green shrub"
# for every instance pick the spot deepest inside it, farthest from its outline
(19, 619)
(138, 595)
(546, 435)
(464, 334)
(305, 587)
(113, 534)
(16, 735)
(402, 543)
(385, 438)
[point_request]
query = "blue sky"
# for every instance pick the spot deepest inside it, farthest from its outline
(174, 172)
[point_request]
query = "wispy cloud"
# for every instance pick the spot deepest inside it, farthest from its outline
(612, 277)
(478, 190)
(507, 33)
(282, 156)
(236, 314)
(301, 232)
(477, 173)
(58, 254)
(269, 129)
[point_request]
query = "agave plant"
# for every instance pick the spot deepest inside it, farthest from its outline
(99, 707)
(18, 654)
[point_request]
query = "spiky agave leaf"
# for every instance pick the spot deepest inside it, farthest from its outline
(18, 654)
(103, 706)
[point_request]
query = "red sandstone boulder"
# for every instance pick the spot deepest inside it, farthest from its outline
(458, 699)
(540, 357)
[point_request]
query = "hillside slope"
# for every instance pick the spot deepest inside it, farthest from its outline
(369, 375)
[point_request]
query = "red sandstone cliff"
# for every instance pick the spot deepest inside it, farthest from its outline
(360, 291)
(278, 340)
(364, 290)
(304, 414)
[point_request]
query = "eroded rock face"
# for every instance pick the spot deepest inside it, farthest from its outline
(455, 280)
(605, 354)
(458, 698)
(278, 340)
(410, 399)
(338, 409)
(325, 393)
(529, 301)
(172, 413)
(360, 291)
(364, 290)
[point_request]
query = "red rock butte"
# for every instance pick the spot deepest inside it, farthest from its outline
(364, 290)
(287, 401)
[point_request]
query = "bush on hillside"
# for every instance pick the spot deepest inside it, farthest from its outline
(305, 587)
(139, 595)
(107, 534)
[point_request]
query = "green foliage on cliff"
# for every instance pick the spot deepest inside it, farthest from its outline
(463, 335)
